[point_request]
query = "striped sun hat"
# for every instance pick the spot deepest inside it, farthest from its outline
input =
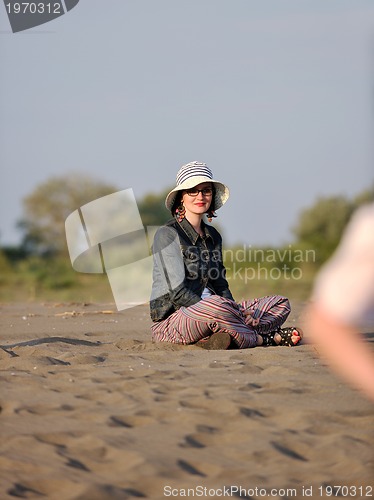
(191, 175)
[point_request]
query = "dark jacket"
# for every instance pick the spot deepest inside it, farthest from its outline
(184, 263)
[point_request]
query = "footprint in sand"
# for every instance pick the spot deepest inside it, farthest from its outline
(250, 387)
(20, 491)
(251, 413)
(288, 452)
(77, 464)
(130, 421)
(204, 436)
(103, 491)
(191, 442)
(190, 469)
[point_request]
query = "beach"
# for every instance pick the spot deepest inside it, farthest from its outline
(92, 409)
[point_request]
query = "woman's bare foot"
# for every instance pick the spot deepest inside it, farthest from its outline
(289, 336)
(295, 338)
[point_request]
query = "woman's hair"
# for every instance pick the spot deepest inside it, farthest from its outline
(178, 200)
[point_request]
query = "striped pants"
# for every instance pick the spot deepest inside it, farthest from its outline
(215, 314)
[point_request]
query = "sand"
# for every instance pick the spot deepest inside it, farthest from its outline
(92, 409)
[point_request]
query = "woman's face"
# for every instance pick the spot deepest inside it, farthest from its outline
(198, 203)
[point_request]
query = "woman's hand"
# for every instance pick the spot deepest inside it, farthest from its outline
(249, 319)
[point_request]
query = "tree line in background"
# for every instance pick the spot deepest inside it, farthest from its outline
(41, 261)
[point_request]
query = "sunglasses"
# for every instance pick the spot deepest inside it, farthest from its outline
(205, 192)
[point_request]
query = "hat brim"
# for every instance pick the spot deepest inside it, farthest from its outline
(222, 192)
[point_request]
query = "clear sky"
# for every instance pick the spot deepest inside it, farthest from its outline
(275, 96)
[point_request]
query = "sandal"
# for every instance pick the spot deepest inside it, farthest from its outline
(219, 340)
(285, 334)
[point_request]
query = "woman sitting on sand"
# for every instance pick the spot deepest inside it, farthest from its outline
(191, 302)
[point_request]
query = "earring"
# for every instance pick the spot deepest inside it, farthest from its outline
(181, 212)
(210, 215)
